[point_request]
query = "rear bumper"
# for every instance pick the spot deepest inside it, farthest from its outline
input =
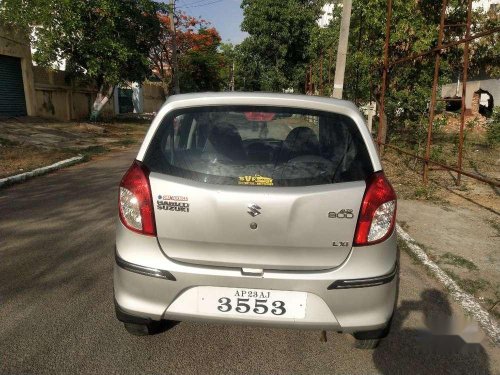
(145, 298)
(159, 288)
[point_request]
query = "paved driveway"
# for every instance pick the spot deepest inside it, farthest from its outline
(57, 316)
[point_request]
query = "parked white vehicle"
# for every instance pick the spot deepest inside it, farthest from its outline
(252, 208)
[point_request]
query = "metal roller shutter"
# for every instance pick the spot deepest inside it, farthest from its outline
(12, 101)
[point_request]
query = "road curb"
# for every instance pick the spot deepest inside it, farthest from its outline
(39, 171)
(467, 301)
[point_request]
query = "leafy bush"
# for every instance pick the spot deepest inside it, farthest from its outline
(493, 128)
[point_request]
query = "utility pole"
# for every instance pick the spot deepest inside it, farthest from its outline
(330, 67)
(232, 77)
(175, 70)
(310, 80)
(338, 81)
(321, 73)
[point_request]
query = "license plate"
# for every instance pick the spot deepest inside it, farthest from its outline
(252, 302)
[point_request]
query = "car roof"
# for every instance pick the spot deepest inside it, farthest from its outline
(258, 98)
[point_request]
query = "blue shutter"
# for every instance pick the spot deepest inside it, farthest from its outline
(12, 101)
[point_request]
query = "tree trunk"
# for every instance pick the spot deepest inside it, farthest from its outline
(383, 124)
(103, 96)
(166, 88)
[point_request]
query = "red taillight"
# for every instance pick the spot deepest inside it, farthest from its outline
(378, 212)
(135, 201)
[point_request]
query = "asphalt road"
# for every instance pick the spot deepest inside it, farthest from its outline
(57, 316)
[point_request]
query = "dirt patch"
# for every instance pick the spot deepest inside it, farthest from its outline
(18, 159)
(406, 177)
(474, 121)
(459, 227)
(30, 143)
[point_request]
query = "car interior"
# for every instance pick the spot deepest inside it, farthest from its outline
(281, 146)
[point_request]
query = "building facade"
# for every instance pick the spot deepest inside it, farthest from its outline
(17, 89)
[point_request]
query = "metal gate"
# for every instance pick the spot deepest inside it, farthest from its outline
(12, 101)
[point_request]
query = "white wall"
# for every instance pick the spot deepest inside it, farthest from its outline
(485, 4)
(327, 15)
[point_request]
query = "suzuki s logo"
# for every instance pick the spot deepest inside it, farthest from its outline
(253, 209)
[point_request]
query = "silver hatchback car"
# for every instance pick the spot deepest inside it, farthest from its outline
(253, 208)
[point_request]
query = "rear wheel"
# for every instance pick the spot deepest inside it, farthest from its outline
(138, 329)
(366, 344)
(139, 326)
(371, 339)
(145, 329)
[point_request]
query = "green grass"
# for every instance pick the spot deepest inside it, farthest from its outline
(471, 286)
(8, 142)
(126, 142)
(91, 151)
(457, 260)
(492, 306)
(495, 225)
(403, 246)
(131, 121)
(403, 224)
(422, 192)
(495, 313)
(427, 192)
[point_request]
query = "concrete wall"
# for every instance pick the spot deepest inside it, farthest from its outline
(154, 97)
(491, 85)
(60, 98)
(14, 44)
(485, 4)
(51, 94)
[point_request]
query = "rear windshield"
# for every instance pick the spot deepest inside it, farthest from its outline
(259, 146)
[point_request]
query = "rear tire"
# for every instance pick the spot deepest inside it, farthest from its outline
(136, 329)
(366, 344)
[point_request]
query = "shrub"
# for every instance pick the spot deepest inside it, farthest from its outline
(493, 128)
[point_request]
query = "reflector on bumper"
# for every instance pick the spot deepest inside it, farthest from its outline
(146, 271)
(363, 283)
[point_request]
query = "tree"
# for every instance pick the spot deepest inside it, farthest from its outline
(276, 50)
(322, 53)
(196, 44)
(201, 66)
(485, 52)
(250, 65)
(107, 40)
(414, 29)
(228, 56)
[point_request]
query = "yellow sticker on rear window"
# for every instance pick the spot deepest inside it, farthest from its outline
(255, 180)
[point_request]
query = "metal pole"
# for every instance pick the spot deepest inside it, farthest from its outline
(338, 80)
(447, 167)
(445, 46)
(330, 68)
(381, 117)
(232, 76)
(464, 91)
(433, 92)
(175, 72)
(321, 73)
(310, 80)
(306, 82)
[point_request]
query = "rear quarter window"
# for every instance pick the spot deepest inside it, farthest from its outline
(259, 146)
